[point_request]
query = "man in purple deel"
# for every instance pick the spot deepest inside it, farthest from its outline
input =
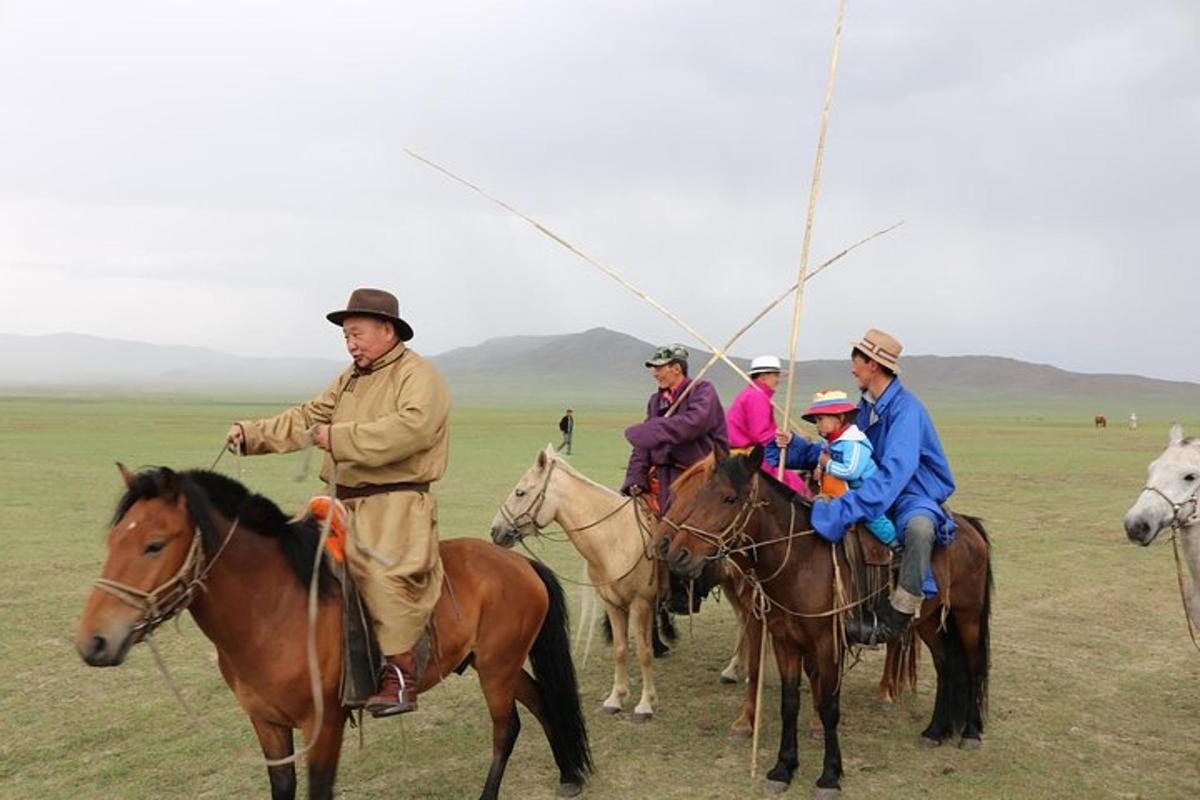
(663, 447)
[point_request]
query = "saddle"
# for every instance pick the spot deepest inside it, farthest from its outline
(872, 569)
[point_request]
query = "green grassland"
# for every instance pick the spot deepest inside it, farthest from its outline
(1095, 689)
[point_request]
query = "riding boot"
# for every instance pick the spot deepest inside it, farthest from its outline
(397, 687)
(889, 623)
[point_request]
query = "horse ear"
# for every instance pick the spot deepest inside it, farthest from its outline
(126, 475)
(1175, 436)
(168, 482)
(755, 459)
(720, 453)
(543, 459)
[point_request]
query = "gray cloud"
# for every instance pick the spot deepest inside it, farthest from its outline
(223, 173)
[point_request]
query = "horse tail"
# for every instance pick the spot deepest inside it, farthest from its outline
(962, 688)
(555, 674)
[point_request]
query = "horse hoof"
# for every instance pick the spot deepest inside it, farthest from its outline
(816, 734)
(925, 743)
(970, 744)
(641, 716)
(740, 733)
(569, 789)
(883, 706)
(826, 794)
(777, 787)
(727, 680)
(610, 711)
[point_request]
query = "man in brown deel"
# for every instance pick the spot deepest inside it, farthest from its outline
(382, 422)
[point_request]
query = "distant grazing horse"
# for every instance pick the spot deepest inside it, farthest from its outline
(1169, 501)
(612, 533)
(763, 529)
(201, 541)
(1101, 421)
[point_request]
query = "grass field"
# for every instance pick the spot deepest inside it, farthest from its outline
(1095, 689)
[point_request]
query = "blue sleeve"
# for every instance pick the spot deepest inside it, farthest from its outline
(801, 453)
(879, 492)
(853, 461)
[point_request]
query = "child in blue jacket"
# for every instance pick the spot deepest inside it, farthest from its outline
(847, 454)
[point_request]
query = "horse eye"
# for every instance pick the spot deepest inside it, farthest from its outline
(1190, 477)
(519, 492)
(154, 548)
(730, 500)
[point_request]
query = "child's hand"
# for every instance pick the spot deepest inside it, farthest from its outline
(824, 459)
(782, 439)
(817, 473)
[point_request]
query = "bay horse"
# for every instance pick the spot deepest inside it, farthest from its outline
(202, 541)
(612, 533)
(1101, 421)
(763, 530)
(900, 663)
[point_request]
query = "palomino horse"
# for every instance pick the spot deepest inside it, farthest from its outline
(612, 533)
(900, 664)
(763, 530)
(202, 541)
(1169, 501)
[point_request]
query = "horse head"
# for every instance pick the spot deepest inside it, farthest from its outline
(531, 505)
(702, 528)
(151, 542)
(1169, 498)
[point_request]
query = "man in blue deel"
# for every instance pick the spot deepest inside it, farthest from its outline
(912, 483)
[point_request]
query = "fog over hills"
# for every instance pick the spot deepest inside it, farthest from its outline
(598, 367)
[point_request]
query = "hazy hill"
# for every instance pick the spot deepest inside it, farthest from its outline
(598, 367)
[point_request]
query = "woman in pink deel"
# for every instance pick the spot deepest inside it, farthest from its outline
(751, 419)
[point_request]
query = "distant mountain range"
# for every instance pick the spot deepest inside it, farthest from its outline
(598, 367)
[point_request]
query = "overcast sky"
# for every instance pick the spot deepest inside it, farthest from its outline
(224, 173)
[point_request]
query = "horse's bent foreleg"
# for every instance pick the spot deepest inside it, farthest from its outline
(619, 619)
(789, 660)
(752, 643)
(277, 742)
(642, 618)
(739, 662)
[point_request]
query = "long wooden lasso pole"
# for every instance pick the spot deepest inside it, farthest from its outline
(797, 307)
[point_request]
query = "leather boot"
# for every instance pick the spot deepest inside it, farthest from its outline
(889, 623)
(397, 687)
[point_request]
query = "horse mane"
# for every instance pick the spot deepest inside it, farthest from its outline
(737, 470)
(567, 467)
(206, 491)
(703, 468)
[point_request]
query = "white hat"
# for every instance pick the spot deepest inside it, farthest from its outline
(765, 364)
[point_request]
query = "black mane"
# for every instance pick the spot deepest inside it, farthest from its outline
(737, 471)
(208, 491)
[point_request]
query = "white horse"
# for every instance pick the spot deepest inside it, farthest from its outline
(612, 533)
(1169, 501)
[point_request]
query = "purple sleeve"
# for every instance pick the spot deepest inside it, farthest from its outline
(691, 421)
(638, 470)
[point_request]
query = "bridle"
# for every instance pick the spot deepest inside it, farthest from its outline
(1178, 522)
(733, 537)
(175, 594)
(529, 517)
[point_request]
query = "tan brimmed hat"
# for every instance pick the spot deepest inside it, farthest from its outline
(881, 347)
(373, 303)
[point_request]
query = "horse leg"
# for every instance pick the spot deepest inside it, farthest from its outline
(941, 725)
(323, 756)
(752, 643)
(969, 629)
(529, 694)
(822, 668)
(619, 619)
(737, 664)
(277, 743)
(499, 690)
(642, 614)
(789, 660)
(816, 726)
(888, 681)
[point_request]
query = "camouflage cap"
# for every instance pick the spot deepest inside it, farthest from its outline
(668, 354)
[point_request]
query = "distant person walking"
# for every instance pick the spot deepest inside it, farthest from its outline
(1133, 421)
(567, 426)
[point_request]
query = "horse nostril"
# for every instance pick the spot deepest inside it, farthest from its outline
(99, 645)
(664, 547)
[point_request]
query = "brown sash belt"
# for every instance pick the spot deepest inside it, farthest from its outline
(355, 492)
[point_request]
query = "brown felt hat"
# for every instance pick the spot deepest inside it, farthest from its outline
(373, 303)
(881, 347)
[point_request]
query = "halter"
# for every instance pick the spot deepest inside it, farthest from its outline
(530, 515)
(1178, 522)
(724, 541)
(175, 594)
